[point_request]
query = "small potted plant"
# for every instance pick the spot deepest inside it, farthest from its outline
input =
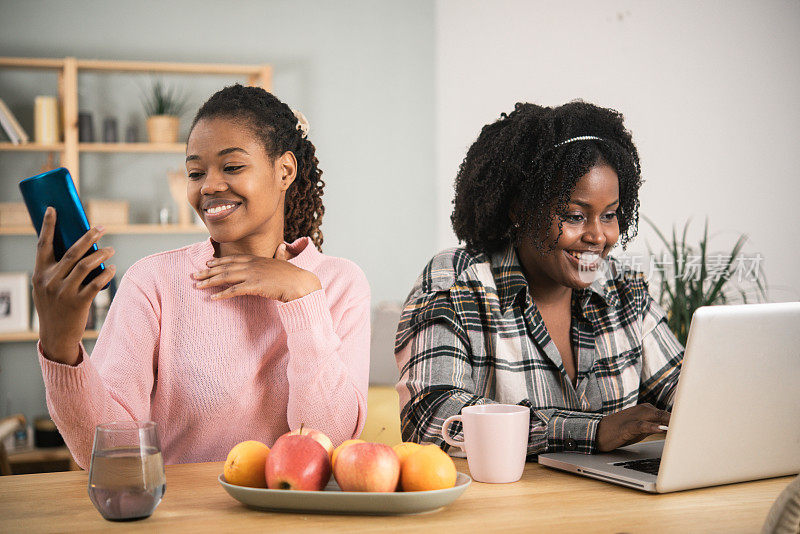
(695, 277)
(163, 106)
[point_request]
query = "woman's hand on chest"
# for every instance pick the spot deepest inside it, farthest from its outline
(272, 278)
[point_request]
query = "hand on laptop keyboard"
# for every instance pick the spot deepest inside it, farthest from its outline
(629, 426)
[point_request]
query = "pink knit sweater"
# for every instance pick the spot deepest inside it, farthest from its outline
(214, 373)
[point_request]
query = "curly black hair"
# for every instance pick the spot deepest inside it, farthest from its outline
(276, 125)
(516, 165)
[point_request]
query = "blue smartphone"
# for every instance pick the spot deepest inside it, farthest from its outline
(56, 188)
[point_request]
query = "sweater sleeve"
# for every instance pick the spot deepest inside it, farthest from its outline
(115, 383)
(328, 368)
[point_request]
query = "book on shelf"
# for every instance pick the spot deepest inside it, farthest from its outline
(10, 124)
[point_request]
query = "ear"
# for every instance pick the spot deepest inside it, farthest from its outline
(286, 169)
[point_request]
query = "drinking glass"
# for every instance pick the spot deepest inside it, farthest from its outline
(126, 478)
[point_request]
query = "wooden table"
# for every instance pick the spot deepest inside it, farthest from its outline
(544, 500)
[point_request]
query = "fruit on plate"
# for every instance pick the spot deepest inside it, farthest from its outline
(297, 462)
(403, 450)
(338, 449)
(406, 448)
(321, 438)
(367, 467)
(429, 468)
(245, 464)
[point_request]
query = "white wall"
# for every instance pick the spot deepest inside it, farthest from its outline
(708, 88)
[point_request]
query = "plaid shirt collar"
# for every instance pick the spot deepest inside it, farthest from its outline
(511, 281)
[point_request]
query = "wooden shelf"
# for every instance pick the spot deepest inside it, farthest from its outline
(98, 147)
(132, 147)
(30, 147)
(128, 229)
(11, 337)
(32, 62)
(178, 68)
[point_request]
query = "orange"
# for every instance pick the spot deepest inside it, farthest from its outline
(406, 448)
(245, 464)
(338, 449)
(403, 450)
(428, 468)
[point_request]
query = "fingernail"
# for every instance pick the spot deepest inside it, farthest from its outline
(100, 228)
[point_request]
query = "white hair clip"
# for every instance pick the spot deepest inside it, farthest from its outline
(302, 123)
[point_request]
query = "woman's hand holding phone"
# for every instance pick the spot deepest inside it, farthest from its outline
(62, 301)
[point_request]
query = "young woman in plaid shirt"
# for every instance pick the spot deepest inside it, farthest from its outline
(533, 310)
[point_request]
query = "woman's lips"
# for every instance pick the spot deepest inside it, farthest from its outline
(217, 213)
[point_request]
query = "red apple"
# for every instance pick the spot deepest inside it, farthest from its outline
(320, 437)
(297, 463)
(367, 467)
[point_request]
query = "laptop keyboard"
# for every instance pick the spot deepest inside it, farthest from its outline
(648, 465)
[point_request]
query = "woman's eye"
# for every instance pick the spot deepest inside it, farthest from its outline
(573, 218)
(233, 168)
(610, 216)
(194, 175)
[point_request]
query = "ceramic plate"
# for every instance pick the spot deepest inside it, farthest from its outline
(334, 500)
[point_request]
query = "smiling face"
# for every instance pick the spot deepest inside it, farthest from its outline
(589, 229)
(235, 187)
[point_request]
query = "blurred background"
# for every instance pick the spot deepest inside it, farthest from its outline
(397, 91)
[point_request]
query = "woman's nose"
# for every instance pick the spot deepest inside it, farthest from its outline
(213, 183)
(594, 233)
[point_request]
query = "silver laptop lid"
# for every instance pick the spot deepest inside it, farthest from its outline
(736, 413)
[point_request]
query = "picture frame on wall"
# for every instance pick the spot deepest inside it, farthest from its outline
(14, 302)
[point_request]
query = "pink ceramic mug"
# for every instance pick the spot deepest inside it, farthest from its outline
(495, 440)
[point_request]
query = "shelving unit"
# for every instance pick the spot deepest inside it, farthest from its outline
(68, 70)
(14, 337)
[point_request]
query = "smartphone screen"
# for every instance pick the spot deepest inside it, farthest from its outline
(55, 188)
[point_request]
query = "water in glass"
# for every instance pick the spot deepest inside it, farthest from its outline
(126, 478)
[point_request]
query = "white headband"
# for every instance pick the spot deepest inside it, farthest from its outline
(302, 123)
(580, 138)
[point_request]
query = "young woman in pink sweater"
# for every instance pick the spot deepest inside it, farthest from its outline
(246, 335)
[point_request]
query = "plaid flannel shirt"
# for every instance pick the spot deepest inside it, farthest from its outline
(471, 334)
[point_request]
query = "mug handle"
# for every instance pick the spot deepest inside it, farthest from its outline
(446, 432)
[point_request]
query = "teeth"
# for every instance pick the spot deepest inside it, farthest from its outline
(585, 258)
(218, 209)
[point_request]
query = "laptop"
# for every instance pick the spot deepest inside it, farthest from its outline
(736, 413)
